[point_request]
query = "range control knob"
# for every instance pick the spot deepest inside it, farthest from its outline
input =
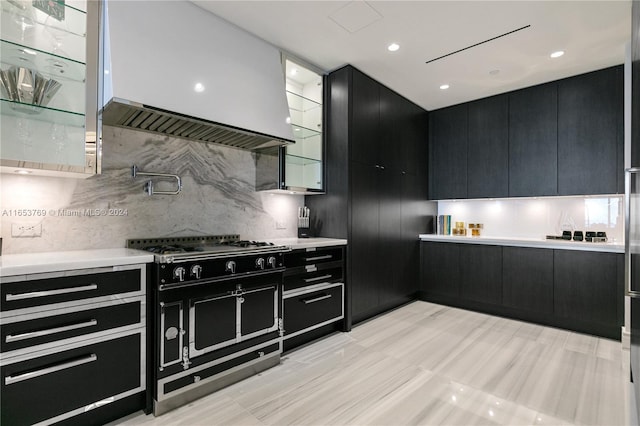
(260, 263)
(230, 266)
(271, 261)
(179, 272)
(196, 271)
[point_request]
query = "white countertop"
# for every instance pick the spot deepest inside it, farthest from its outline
(527, 242)
(34, 263)
(300, 243)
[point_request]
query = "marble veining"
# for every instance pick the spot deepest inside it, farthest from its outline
(429, 364)
(218, 197)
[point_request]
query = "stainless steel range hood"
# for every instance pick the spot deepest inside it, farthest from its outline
(175, 69)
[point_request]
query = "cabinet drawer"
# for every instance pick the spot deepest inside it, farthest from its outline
(318, 276)
(33, 293)
(42, 388)
(305, 311)
(23, 334)
(312, 256)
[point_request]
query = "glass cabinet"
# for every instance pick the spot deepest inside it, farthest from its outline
(303, 160)
(298, 168)
(49, 87)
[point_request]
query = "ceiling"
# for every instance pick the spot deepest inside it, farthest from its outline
(330, 34)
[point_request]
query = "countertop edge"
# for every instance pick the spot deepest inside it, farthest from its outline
(45, 262)
(548, 244)
(300, 243)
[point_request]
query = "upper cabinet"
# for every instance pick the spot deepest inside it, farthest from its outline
(49, 90)
(448, 152)
(304, 158)
(558, 138)
(488, 148)
(297, 168)
(533, 141)
(591, 133)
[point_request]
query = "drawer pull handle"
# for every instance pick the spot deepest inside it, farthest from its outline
(322, 277)
(311, 259)
(316, 299)
(32, 334)
(37, 373)
(45, 293)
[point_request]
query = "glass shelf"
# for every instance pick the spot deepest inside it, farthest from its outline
(300, 132)
(48, 64)
(61, 30)
(300, 103)
(39, 113)
(301, 161)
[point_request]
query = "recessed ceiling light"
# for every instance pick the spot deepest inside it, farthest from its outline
(199, 87)
(23, 172)
(444, 87)
(557, 54)
(294, 71)
(393, 47)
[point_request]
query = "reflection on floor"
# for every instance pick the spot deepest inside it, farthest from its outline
(429, 364)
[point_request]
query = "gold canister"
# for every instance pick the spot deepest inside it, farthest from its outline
(475, 229)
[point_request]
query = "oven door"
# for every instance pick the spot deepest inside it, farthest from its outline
(223, 318)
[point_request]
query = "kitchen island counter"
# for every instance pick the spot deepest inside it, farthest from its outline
(613, 247)
(35, 263)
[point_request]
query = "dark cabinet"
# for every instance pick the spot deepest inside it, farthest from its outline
(481, 273)
(571, 289)
(313, 295)
(533, 141)
(363, 241)
(560, 138)
(527, 278)
(376, 153)
(488, 148)
(365, 120)
(587, 286)
(448, 153)
(590, 133)
(439, 270)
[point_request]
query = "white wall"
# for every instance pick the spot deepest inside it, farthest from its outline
(538, 217)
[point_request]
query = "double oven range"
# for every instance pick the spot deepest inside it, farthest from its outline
(215, 307)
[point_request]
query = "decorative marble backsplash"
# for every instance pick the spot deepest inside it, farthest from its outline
(218, 197)
(538, 217)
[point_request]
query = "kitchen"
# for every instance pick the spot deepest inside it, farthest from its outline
(220, 182)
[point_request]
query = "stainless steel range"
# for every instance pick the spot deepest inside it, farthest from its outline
(216, 304)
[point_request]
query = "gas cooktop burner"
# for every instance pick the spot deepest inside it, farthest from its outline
(246, 243)
(168, 250)
(172, 249)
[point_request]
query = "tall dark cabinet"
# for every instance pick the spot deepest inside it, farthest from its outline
(376, 187)
(591, 133)
(533, 141)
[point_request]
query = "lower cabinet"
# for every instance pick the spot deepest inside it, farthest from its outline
(43, 388)
(588, 287)
(481, 273)
(571, 289)
(527, 279)
(73, 346)
(314, 294)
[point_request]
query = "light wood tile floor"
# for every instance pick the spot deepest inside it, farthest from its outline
(431, 365)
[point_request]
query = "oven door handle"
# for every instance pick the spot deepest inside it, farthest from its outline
(316, 299)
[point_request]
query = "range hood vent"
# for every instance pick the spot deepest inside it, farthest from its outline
(131, 115)
(174, 69)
